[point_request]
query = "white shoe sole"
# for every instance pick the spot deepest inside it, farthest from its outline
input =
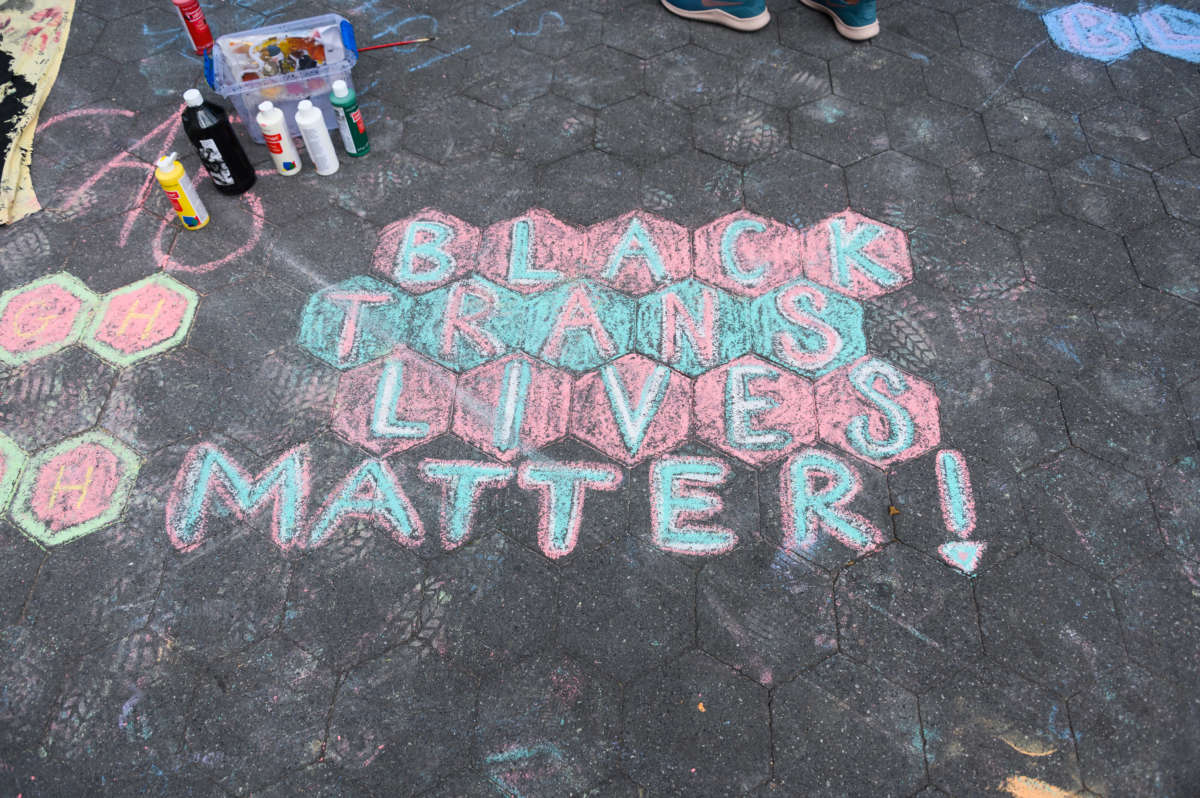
(720, 17)
(858, 34)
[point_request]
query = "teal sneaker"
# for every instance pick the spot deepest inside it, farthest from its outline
(736, 14)
(854, 19)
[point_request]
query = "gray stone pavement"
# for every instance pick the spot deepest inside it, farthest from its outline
(655, 411)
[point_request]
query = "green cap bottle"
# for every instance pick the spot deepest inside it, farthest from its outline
(350, 119)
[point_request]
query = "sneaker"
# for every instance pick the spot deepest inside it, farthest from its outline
(854, 19)
(736, 14)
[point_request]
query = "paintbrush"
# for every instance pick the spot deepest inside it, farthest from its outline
(397, 44)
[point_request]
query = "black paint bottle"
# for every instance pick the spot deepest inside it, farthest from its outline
(208, 128)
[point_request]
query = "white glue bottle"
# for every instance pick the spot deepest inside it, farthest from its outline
(311, 122)
(279, 141)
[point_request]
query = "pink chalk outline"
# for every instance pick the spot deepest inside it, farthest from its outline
(579, 485)
(450, 485)
(747, 254)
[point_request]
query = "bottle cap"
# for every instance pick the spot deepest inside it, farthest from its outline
(266, 106)
(304, 105)
(167, 161)
(193, 97)
(339, 89)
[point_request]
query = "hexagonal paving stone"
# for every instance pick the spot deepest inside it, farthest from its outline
(598, 588)
(74, 488)
(1166, 29)
(1133, 135)
(598, 77)
(642, 31)
(511, 406)
(394, 403)
(548, 727)
(1048, 621)
(141, 320)
(1031, 132)
(426, 250)
(524, 133)
(12, 460)
(747, 254)
(54, 397)
(968, 78)
(885, 426)
(937, 132)
(509, 77)
(906, 615)
(899, 190)
(690, 77)
(43, 317)
(692, 327)
(857, 256)
(767, 613)
(875, 77)
(1141, 76)
(985, 724)
(754, 411)
(692, 188)
(638, 252)
(966, 257)
(1091, 31)
(466, 323)
(869, 717)
(1177, 186)
(354, 321)
(1107, 194)
(1034, 330)
(531, 252)
(1074, 258)
(987, 187)
(632, 409)
(1179, 516)
(701, 715)
(770, 186)
(1078, 83)
(1159, 610)
(643, 130)
(578, 326)
(1160, 255)
(740, 130)
(588, 187)
(838, 130)
(452, 129)
(785, 78)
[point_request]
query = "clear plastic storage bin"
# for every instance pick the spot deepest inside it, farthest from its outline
(280, 59)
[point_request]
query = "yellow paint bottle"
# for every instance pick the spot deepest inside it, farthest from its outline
(184, 199)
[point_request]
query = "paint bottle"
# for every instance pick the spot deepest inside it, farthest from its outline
(350, 119)
(311, 122)
(174, 180)
(208, 128)
(279, 141)
(192, 17)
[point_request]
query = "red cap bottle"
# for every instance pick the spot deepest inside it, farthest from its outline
(193, 20)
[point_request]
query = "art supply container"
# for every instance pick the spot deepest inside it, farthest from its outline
(175, 182)
(283, 64)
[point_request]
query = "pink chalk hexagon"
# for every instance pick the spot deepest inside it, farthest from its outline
(532, 252)
(141, 319)
(858, 256)
(41, 317)
(393, 403)
(632, 408)
(512, 406)
(748, 254)
(755, 410)
(12, 460)
(638, 253)
(426, 250)
(877, 412)
(74, 488)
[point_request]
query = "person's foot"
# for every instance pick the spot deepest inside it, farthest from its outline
(736, 14)
(854, 19)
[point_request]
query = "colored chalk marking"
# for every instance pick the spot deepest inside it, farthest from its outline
(392, 404)
(463, 483)
(632, 409)
(74, 488)
(371, 493)
(532, 252)
(755, 410)
(877, 412)
(511, 406)
(817, 489)
(354, 321)
(1091, 31)
(808, 328)
(42, 317)
(963, 554)
(679, 496)
(692, 327)
(955, 493)
(209, 473)
(857, 256)
(747, 254)
(426, 250)
(143, 319)
(512, 769)
(561, 488)
(466, 323)
(12, 461)
(1170, 31)
(638, 252)
(579, 326)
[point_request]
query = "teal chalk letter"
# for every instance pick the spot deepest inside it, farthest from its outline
(816, 488)
(430, 251)
(462, 483)
(384, 423)
(636, 243)
(519, 272)
(633, 422)
(679, 497)
(562, 487)
(848, 253)
(370, 492)
(741, 405)
(729, 259)
(514, 387)
(900, 422)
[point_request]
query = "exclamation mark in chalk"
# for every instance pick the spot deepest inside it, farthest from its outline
(958, 511)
